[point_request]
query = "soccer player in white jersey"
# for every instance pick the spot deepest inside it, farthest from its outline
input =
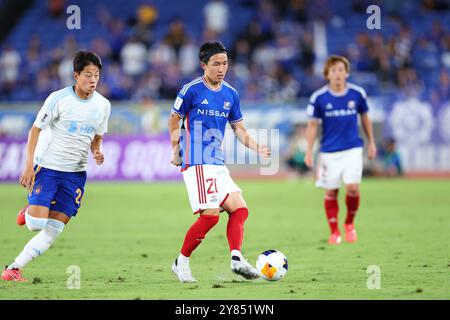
(337, 106)
(71, 122)
(206, 105)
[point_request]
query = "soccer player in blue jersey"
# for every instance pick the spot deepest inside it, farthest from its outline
(337, 106)
(71, 122)
(205, 106)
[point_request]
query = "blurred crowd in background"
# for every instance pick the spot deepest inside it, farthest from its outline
(272, 55)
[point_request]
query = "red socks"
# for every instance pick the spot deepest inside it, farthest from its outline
(197, 233)
(331, 210)
(235, 228)
(352, 202)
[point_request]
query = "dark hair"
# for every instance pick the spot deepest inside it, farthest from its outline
(208, 49)
(85, 58)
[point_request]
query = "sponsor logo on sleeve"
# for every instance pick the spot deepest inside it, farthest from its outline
(177, 104)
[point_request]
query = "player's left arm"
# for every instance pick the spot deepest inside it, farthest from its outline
(235, 119)
(246, 139)
(95, 149)
(368, 130)
(96, 143)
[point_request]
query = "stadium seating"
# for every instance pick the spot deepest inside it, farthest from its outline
(343, 24)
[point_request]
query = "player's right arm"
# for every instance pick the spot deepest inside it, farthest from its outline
(43, 119)
(311, 134)
(179, 109)
(174, 132)
(28, 172)
(314, 114)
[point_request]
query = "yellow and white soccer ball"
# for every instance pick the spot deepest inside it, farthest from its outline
(272, 265)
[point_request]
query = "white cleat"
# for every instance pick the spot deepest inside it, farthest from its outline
(241, 267)
(183, 274)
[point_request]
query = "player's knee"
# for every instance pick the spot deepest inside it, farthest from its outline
(35, 224)
(353, 191)
(54, 227)
(331, 194)
(233, 202)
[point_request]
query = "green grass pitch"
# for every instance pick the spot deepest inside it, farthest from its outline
(127, 235)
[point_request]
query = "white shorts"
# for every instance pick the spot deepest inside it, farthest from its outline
(208, 186)
(334, 167)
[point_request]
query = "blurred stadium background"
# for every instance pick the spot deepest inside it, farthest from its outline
(277, 49)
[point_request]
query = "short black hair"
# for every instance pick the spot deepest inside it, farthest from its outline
(85, 58)
(208, 49)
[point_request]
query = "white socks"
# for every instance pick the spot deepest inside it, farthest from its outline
(39, 243)
(35, 224)
(183, 261)
(236, 253)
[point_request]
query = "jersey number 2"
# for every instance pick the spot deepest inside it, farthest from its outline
(79, 195)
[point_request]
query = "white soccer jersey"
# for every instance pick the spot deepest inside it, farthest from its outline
(69, 124)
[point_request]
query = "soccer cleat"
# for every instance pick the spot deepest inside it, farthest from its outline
(241, 267)
(335, 238)
(21, 216)
(183, 274)
(350, 233)
(13, 274)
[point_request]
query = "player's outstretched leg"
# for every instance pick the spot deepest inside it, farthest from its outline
(49, 229)
(235, 236)
(332, 209)
(192, 240)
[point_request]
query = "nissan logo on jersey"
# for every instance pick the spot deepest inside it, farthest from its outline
(214, 113)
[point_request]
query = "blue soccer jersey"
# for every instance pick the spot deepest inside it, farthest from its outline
(339, 115)
(205, 113)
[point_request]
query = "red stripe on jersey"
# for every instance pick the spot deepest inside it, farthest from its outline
(197, 174)
(203, 183)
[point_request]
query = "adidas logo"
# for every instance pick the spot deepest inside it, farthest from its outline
(205, 101)
(329, 106)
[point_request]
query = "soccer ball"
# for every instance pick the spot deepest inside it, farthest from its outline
(272, 265)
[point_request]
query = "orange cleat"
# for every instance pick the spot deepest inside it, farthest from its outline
(13, 275)
(350, 233)
(21, 216)
(335, 238)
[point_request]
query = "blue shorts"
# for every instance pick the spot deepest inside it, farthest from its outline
(57, 190)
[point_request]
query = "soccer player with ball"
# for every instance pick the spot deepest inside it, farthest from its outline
(205, 106)
(337, 105)
(71, 122)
